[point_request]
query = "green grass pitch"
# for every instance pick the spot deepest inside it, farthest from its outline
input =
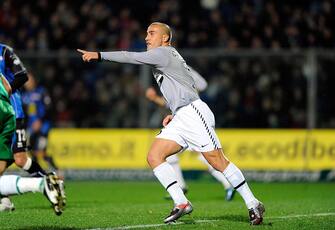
(140, 205)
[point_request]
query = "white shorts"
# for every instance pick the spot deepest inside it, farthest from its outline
(193, 127)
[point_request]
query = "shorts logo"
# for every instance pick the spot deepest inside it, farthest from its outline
(204, 145)
(206, 126)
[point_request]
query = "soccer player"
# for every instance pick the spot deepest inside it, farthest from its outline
(12, 68)
(201, 85)
(191, 124)
(15, 73)
(38, 103)
(15, 185)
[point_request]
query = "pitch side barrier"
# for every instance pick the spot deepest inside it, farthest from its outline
(264, 154)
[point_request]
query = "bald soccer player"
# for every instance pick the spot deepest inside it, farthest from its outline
(191, 124)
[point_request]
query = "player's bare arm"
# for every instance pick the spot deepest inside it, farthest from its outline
(6, 85)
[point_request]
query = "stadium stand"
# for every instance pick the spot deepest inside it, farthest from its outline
(243, 92)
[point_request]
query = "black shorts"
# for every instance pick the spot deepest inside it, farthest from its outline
(20, 138)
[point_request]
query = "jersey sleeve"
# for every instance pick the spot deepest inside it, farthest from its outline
(13, 62)
(200, 82)
(15, 67)
(154, 57)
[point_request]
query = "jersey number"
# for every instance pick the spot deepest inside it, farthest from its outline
(21, 135)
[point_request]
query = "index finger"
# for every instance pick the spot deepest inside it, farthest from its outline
(81, 51)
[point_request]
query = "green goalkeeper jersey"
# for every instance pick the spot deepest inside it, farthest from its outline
(7, 124)
(3, 93)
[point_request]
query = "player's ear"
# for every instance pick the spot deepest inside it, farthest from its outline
(165, 38)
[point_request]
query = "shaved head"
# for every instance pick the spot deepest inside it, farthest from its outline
(165, 28)
(158, 34)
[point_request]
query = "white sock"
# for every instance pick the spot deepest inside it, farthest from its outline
(216, 174)
(8, 185)
(30, 184)
(237, 180)
(165, 174)
(27, 165)
(12, 185)
(173, 160)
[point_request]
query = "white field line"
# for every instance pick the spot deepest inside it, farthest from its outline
(302, 215)
(210, 221)
(150, 225)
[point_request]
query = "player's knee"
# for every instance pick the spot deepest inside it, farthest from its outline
(20, 159)
(154, 159)
(150, 158)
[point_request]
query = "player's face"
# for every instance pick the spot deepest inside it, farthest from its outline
(154, 37)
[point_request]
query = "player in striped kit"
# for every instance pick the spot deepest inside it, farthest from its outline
(201, 85)
(191, 124)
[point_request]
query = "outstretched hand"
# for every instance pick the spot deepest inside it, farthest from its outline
(87, 56)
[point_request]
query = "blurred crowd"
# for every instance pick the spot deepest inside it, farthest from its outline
(92, 24)
(253, 92)
(243, 92)
(89, 95)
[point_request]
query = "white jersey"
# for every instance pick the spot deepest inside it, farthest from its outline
(193, 124)
(175, 78)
